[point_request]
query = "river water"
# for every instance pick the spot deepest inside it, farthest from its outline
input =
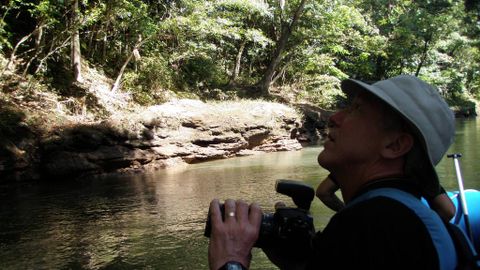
(156, 221)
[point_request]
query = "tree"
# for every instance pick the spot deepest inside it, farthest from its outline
(286, 31)
(411, 30)
(195, 46)
(243, 24)
(135, 53)
(76, 56)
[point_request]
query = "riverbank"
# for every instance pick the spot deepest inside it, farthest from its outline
(87, 129)
(170, 135)
(94, 131)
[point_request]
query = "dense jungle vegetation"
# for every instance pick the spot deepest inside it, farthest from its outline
(223, 49)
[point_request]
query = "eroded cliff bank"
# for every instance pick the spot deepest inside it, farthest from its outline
(173, 134)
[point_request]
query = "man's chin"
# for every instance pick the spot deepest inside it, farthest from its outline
(323, 159)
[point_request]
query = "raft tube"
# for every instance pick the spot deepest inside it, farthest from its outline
(472, 198)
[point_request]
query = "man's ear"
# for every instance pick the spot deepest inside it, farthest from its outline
(397, 145)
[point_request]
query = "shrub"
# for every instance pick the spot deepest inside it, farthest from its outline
(322, 90)
(153, 77)
(202, 71)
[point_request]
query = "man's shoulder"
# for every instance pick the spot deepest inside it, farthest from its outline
(376, 207)
(376, 217)
(379, 227)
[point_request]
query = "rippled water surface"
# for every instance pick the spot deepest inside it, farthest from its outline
(156, 221)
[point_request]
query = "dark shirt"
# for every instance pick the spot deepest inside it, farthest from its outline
(378, 233)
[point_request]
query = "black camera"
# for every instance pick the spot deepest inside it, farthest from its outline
(290, 227)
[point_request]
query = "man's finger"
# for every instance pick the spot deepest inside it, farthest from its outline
(230, 210)
(242, 211)
(215, 214)
(255, 214)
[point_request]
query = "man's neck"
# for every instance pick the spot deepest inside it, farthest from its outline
(351, 181)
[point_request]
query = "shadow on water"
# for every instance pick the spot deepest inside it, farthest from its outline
(128, 222)
(119, 223)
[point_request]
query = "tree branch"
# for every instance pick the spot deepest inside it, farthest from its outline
(139, 44)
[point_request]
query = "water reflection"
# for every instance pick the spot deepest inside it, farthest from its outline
(156, 221)
(467, 141)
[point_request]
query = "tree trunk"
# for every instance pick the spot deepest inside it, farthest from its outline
(264, 84)
(279, 74)
(76, 57)
(104, 47)
(238, 61)
(379, 68)
(91, 37)
(116, 85)
(424, 56)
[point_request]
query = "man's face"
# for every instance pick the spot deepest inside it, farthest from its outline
(355, 135)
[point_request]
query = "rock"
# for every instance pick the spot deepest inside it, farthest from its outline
(170, 151)
(193, 123)
(231, 147)
(62, 164)
(18, 153)
(314, 124)
(464, 112)
(206, 154)
(248, 152)
(114, 157)
(256, 135)
(105, 153)
(176, 163)
(84, 138)
(225, 139)
(148, 134)
(280, 145)
(164, 136)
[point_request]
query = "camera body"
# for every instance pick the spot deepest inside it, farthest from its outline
(291, 227)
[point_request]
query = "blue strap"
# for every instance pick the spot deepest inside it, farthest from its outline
(441, 238)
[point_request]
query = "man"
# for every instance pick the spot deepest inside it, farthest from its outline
(382, 150)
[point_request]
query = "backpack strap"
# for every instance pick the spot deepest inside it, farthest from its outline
(441, 239)
(468, 258)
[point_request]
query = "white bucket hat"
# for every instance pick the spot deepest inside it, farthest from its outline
(422, 106)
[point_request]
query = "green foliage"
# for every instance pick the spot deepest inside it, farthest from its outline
(152, 78)
(208, 37)
(4, 35)
(199, 72)
(205, 46)
(6, 9)
(323, 91)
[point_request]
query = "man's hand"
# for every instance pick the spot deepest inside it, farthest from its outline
(232, 239)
